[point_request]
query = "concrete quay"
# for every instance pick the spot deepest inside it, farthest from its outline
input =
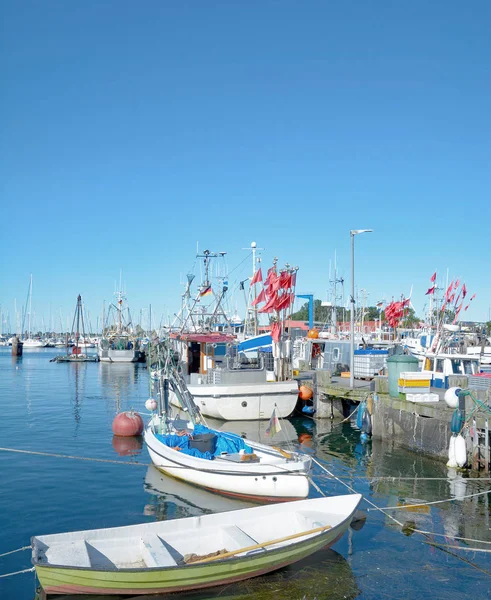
(420, 427)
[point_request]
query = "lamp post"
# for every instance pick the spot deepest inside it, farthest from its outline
(352, 233)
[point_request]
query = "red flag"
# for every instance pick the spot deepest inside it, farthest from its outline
(449, 289)
(293, 281)
(464, 291)
(433, 277)
(270, 304)
(260, 298)
(275, 332)
(258, 276)
(457, 283)
(275, 283)
(430, 291)
(271, 273)
(472, 297)
(466, 307)
(285, 280)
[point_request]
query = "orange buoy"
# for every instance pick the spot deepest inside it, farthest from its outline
(313, 334)
(127, 424)
(305, 392)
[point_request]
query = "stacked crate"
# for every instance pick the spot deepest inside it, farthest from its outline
(368, 363)
(415, 387)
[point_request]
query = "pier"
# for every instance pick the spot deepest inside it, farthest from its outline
(420, 427)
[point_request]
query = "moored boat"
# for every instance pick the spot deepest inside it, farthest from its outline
(190, 553)
(228, 464)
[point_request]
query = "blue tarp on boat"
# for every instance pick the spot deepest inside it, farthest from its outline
(229, 443)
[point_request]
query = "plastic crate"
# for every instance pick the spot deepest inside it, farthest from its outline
(423, 398)
(415, 391)
(416, 383)
(414, 375)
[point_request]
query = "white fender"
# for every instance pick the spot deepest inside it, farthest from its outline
(452, 461)
(460, 451)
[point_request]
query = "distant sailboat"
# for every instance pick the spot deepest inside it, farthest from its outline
(29, 342)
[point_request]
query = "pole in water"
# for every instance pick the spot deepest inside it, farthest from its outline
(17, 347)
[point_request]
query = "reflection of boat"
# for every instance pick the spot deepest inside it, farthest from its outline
(256, 430)
(228, 465)
(190, 553)
(186, 500)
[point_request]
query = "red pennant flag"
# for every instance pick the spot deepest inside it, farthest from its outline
(285, 280)
(457, 283)
(472, 297)
(431, 291)
(260, 298)
(258, 277)
(275, 332)
(464, 291)
(270, 275)
(433, 277)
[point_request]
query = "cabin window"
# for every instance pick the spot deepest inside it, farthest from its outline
(456, 370)
(439, 365)
(468, 370)
(335, 355)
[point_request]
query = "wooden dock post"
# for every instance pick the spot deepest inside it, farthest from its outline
(17, 347)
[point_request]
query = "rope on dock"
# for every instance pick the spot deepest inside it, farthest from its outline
(17, 572)
(420, 504)
(18, 550)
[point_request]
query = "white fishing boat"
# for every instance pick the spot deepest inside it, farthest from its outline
(219, 461)
(119, 342)
(225, 379)
(190, 553)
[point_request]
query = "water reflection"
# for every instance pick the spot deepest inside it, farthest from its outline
(174, 499)
(127, 446)
(119, 381)
(256, 431)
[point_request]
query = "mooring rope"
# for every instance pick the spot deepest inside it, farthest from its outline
(17, 572)
(354, 491)
(420, 504)
(12, 551)
(54, 455)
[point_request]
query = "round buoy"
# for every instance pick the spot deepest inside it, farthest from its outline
(305, 392)
(452, 397)
(127, 446)
(151, 404)
(313, 334)
(127, 424)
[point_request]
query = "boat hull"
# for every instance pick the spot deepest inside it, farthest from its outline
(258, 482)
(244, 402)
(56, 579)
(123, 356)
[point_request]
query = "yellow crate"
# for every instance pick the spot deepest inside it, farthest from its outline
(416, 383)
(345, 374)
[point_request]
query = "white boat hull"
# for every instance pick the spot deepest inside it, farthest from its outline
(244, 402)
(121, 356)
(272, 479)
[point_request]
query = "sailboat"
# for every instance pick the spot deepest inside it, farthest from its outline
(118, 342)
(29, 342)
(182, 445)
(225, 383)
(78, 333)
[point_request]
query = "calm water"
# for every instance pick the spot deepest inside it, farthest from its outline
(68, 409)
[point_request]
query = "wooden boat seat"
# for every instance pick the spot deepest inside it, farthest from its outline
(239, 537)
(154, 552)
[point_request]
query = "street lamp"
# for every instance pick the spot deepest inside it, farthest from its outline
(352, 233)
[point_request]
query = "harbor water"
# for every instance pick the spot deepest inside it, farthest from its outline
(63, 470)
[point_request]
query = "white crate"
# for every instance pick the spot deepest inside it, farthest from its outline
(415, 375)
(417, 391)
(426, 398)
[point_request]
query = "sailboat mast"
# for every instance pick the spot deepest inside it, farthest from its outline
(30, 308)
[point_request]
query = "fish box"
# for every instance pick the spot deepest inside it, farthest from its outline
(413, 390)
(415, 383)
(415, 375)
(422, 398)
(204, 442)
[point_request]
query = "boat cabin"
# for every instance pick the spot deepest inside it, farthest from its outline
(442, 365)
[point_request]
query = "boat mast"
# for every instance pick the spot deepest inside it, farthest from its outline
(30, 309)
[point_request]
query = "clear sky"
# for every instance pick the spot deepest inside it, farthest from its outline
(130, 131)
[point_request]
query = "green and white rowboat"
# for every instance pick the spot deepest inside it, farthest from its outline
(190, 553)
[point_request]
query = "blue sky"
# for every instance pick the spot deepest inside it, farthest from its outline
(133, 130)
